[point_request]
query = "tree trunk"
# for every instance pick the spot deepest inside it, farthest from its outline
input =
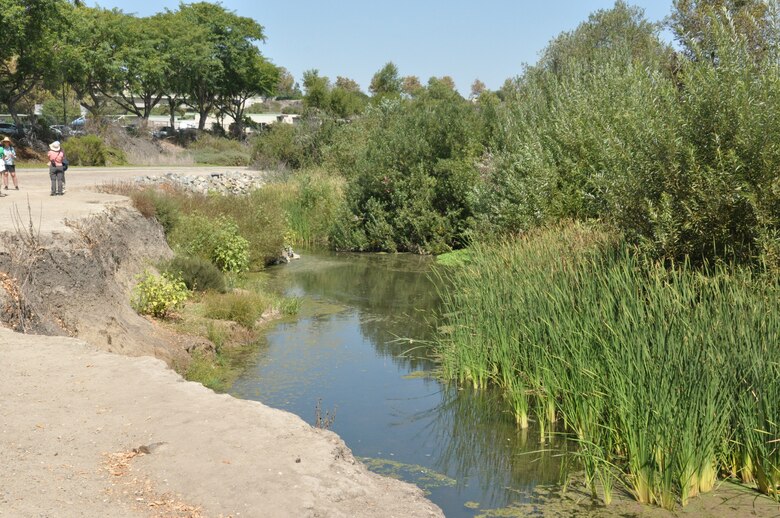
(172, 105)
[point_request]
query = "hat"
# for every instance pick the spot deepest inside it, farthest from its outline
(6, 139)
(55, 146)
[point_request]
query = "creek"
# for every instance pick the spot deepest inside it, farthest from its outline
(360, 349)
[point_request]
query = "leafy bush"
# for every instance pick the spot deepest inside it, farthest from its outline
(215, 239)
(158, 295)
(278, 147)
(293, 146)
(197, 274)
(243, 307)
(231, 253)
(678, 154)
(411, 178)
(90, 150)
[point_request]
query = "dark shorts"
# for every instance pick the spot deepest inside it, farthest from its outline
(10, 168)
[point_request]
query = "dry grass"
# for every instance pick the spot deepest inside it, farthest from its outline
(142, 151)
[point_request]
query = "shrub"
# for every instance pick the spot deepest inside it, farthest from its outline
(240, 306)
(412, 177)
(278, 147)
(158, 295)
(231, 253)
(261, 220)
(197, 274)
(153, 204)
(218, 150)
(293, 146)
(90, 150)
(311, 201)
(227, 158)
(215, 239)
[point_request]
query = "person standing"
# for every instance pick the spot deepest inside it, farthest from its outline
(56, 169)
(2, 168)
(9, 160)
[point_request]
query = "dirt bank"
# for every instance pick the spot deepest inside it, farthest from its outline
(71, 417)
(85, 432)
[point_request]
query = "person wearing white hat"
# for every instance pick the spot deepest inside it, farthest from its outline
(56, 170)
(9, 161)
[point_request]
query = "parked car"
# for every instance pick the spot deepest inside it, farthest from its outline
(11, 130)
(164, 132)
(60, 131)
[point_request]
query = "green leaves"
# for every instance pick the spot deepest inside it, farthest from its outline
(158, 295)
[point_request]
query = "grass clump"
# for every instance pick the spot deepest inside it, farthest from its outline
(455, 258)
(208, 149)
(243, 307)
(213, 371)
(665, 378)
(197, 273)
(154, 204)
(311, 200)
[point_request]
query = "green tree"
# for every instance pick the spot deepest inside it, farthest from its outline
(386, 81)
(411, 173)
(248, 75)
(693, 23)
(347, 84)
(446, 81)
(214, 37)
(286, 87)
(139, 66)
(316, 90)
(619, 34)
(29, 32)
(346, 100)
(86, 54)
(170, 27)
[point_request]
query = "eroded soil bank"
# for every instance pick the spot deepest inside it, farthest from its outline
(85, 432)
(76, 425)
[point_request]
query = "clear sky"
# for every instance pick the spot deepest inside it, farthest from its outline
(487, 39)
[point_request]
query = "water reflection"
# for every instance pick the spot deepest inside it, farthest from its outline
(393, 294)
(351, 348)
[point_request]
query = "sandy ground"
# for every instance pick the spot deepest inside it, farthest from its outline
(86, 433)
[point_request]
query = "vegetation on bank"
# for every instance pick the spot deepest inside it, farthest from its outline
(667, 378)
(219, 241)
(620, 201)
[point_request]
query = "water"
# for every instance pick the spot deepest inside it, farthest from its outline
(360, 346)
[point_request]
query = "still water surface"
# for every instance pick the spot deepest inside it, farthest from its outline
(361, 346)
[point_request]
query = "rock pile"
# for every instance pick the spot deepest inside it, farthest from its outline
(230, 182)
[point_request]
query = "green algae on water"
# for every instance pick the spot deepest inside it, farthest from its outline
(424, 478)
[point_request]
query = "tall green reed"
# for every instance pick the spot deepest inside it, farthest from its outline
(665, 377)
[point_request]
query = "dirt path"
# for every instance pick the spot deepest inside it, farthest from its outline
(86, 433)
(80, 200)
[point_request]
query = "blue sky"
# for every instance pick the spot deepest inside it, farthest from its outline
(489, 40)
